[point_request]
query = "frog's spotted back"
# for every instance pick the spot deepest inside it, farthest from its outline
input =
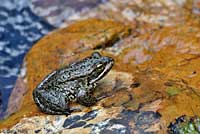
(90, 67)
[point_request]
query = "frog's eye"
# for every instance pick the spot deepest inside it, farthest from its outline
(99, 65)
(96, 55)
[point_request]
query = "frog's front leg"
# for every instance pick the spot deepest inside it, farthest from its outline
(85, 98)
(51, 102)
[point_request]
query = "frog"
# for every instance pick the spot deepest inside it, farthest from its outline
(75, 82)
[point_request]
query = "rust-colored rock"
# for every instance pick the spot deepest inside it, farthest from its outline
(155, 78)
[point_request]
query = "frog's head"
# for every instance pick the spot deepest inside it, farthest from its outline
(101, 65)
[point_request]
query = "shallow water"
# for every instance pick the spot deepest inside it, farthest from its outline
(20, 28)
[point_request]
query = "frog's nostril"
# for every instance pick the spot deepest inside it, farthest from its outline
(108, 59)
(111, 60)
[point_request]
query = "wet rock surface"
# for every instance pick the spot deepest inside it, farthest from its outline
(154, 80)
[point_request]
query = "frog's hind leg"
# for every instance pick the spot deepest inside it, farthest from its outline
(51, 102)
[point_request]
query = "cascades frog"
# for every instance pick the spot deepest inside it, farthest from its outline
(74, 82)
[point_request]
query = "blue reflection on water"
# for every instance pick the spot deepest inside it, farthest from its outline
(19, 30)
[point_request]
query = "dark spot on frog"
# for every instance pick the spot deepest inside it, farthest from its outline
(90, 115)
(71, 120)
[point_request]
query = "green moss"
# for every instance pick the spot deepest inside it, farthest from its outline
(185, 125)
(171, 91)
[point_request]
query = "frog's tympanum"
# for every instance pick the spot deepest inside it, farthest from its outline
(74, 82)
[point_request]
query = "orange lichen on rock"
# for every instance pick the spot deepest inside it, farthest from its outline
(156, 71)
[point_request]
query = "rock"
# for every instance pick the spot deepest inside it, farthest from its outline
(154, 80)
(15, 98)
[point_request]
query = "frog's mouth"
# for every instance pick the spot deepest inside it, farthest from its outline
(103, 73)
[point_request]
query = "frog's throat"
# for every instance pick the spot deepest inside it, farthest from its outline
(104, 72)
